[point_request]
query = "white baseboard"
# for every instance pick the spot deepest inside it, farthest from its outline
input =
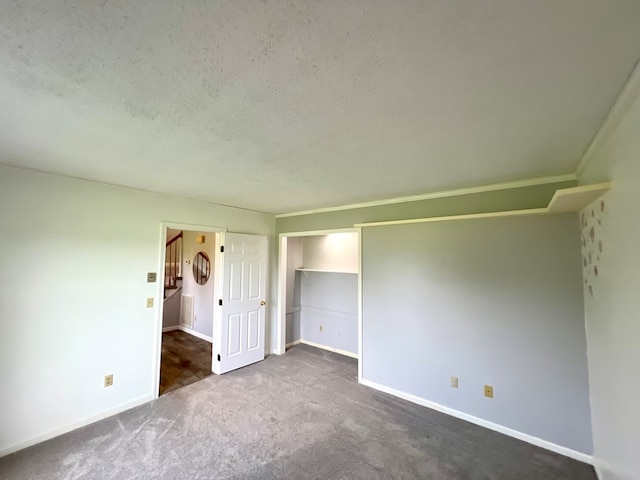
(194, 333)
(170, 329)
(292, 344)
(567, 452)
(83, 423)
(596, 467)
(607, 470)
(331, 349)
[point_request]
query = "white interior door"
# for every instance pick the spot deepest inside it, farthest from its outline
(240, 320)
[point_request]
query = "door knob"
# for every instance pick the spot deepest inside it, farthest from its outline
(263, 303)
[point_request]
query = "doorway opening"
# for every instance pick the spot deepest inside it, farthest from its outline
(188, 304)
(213, 318)
(319, 291)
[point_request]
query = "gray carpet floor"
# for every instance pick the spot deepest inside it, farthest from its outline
(301, 415)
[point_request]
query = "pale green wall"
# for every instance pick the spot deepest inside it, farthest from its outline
(509, 199)
(612, 309)
(75, 256)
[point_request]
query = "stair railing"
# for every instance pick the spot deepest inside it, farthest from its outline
(173, 261)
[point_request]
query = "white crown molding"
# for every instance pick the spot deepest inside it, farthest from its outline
(623, 103)
(441, 194)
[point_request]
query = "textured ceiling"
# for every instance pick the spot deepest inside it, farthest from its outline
(284, 106)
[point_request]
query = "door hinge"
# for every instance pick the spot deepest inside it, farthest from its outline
(218, 357)
(220, 302)
(221, 248)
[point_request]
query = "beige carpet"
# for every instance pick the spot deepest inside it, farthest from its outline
(301, 415)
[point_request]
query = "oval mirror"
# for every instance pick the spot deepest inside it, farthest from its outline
(201, 268)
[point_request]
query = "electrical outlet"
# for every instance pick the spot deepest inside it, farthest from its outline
(320, 327)
(108, 380)
(150, 302)
(454, 382)
(488, 391)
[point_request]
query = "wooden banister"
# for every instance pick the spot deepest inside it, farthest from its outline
(174, 239)
(172, 261)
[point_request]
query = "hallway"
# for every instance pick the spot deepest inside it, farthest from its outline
(185, 360)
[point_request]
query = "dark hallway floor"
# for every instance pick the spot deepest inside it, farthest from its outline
(185, 360)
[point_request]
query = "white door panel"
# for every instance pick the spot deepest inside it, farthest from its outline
(240, 319)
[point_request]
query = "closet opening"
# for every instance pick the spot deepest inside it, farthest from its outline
(319, 291)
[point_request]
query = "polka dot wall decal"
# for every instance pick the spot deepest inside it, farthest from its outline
(591, 221)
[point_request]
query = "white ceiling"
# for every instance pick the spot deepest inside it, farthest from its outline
(283, 106)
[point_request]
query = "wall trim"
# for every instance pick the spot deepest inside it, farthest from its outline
(567, 452)
(184, 329)
(74, 426)
(327, 311)
(194, 333)
(294, 343)
(623, 103)
(565, 200)
(530, 182)
(605, 469)
(596, 468)
(331, 349)
(470, 216)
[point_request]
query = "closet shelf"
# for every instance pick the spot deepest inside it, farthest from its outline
(576, 199)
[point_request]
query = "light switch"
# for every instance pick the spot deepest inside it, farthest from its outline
(150, 302)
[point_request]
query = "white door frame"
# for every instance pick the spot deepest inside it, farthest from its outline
(281, 322)
(159, 298)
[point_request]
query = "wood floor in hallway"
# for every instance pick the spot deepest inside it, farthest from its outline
(185, 360)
